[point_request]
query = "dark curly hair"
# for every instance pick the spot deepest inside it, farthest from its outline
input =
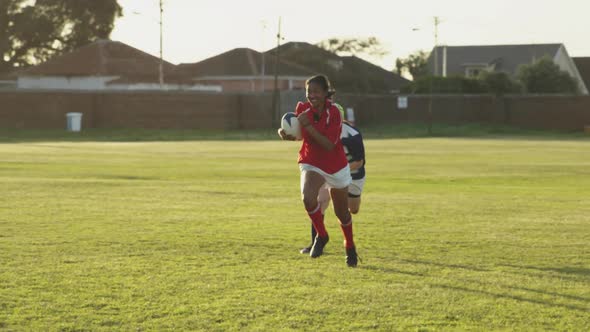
(324, 82)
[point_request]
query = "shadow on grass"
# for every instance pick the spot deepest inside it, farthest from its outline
(543, 274)
(544, 292)
(576, 271)
(369, 132)
(423, 262)
(512, 297)
(537, 291)
(389, 270)
(452, 266)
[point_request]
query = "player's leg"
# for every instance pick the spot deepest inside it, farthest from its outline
(307, 249)
(340, 202)
(354, 195)
(324, 197)
(324, 201)
(354, 204)
(311, 182)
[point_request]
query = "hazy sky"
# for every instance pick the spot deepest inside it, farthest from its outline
(197, 29)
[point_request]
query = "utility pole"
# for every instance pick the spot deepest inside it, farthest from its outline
(436, 23)
(276, 94)
(161, 67)
(263, 65)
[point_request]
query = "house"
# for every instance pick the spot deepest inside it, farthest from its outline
(347, 73)
(246, 70)
(470, 61)
(583, 65)
(310, 56)
(104, 65)
(369, 77)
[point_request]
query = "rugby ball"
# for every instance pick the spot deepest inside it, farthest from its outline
(290, 125)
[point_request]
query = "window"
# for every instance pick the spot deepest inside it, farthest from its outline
(474, 71)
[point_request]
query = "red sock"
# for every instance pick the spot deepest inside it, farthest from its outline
(347, 231)
(317, 219)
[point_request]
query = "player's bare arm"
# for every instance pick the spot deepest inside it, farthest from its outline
(322, 140)
(354, 165)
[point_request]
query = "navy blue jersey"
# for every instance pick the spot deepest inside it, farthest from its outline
(354, 148)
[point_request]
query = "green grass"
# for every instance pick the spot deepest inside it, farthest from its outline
(485, 233)
(410, 130)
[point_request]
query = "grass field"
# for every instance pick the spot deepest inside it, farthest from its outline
(484, 233)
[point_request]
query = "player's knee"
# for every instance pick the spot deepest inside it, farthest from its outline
(324, 201)
(343, 216)
(309, 202)
(354, 204)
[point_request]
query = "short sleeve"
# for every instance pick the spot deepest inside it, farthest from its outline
(334, 126)
(300, 108)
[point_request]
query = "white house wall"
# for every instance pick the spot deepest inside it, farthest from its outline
(167, 87)
(210, 88)
(63, 83)
(565, 63)
(100, 83)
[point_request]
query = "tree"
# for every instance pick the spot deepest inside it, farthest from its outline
(33, 31)
(415, 64)
(544, 76)
(499, 83)
(445, 85)
(370, 46)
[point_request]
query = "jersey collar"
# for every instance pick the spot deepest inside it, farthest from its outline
(328, 104)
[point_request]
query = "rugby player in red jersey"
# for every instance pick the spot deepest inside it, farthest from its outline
(322, 160)
(354, 148)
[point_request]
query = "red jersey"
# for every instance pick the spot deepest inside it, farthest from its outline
(329, 124)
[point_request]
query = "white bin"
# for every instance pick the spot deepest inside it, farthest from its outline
(74, 121)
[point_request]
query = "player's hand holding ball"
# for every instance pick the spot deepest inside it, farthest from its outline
(303, 119)
(284, 136)
(290, 127)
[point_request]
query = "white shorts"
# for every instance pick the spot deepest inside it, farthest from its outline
(355, 189)
(338, 180)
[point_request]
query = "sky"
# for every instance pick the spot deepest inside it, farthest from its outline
(194, 30)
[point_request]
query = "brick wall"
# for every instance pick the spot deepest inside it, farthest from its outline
(540, 112)
(177, 110)
(160, 110)
(560, 112)
(199, 110)
(41, 110)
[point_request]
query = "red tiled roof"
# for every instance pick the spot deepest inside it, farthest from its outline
(391, 78)
(310, 56)
(347, 73)
(240, 62)
(101, 58)
(291, 49)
